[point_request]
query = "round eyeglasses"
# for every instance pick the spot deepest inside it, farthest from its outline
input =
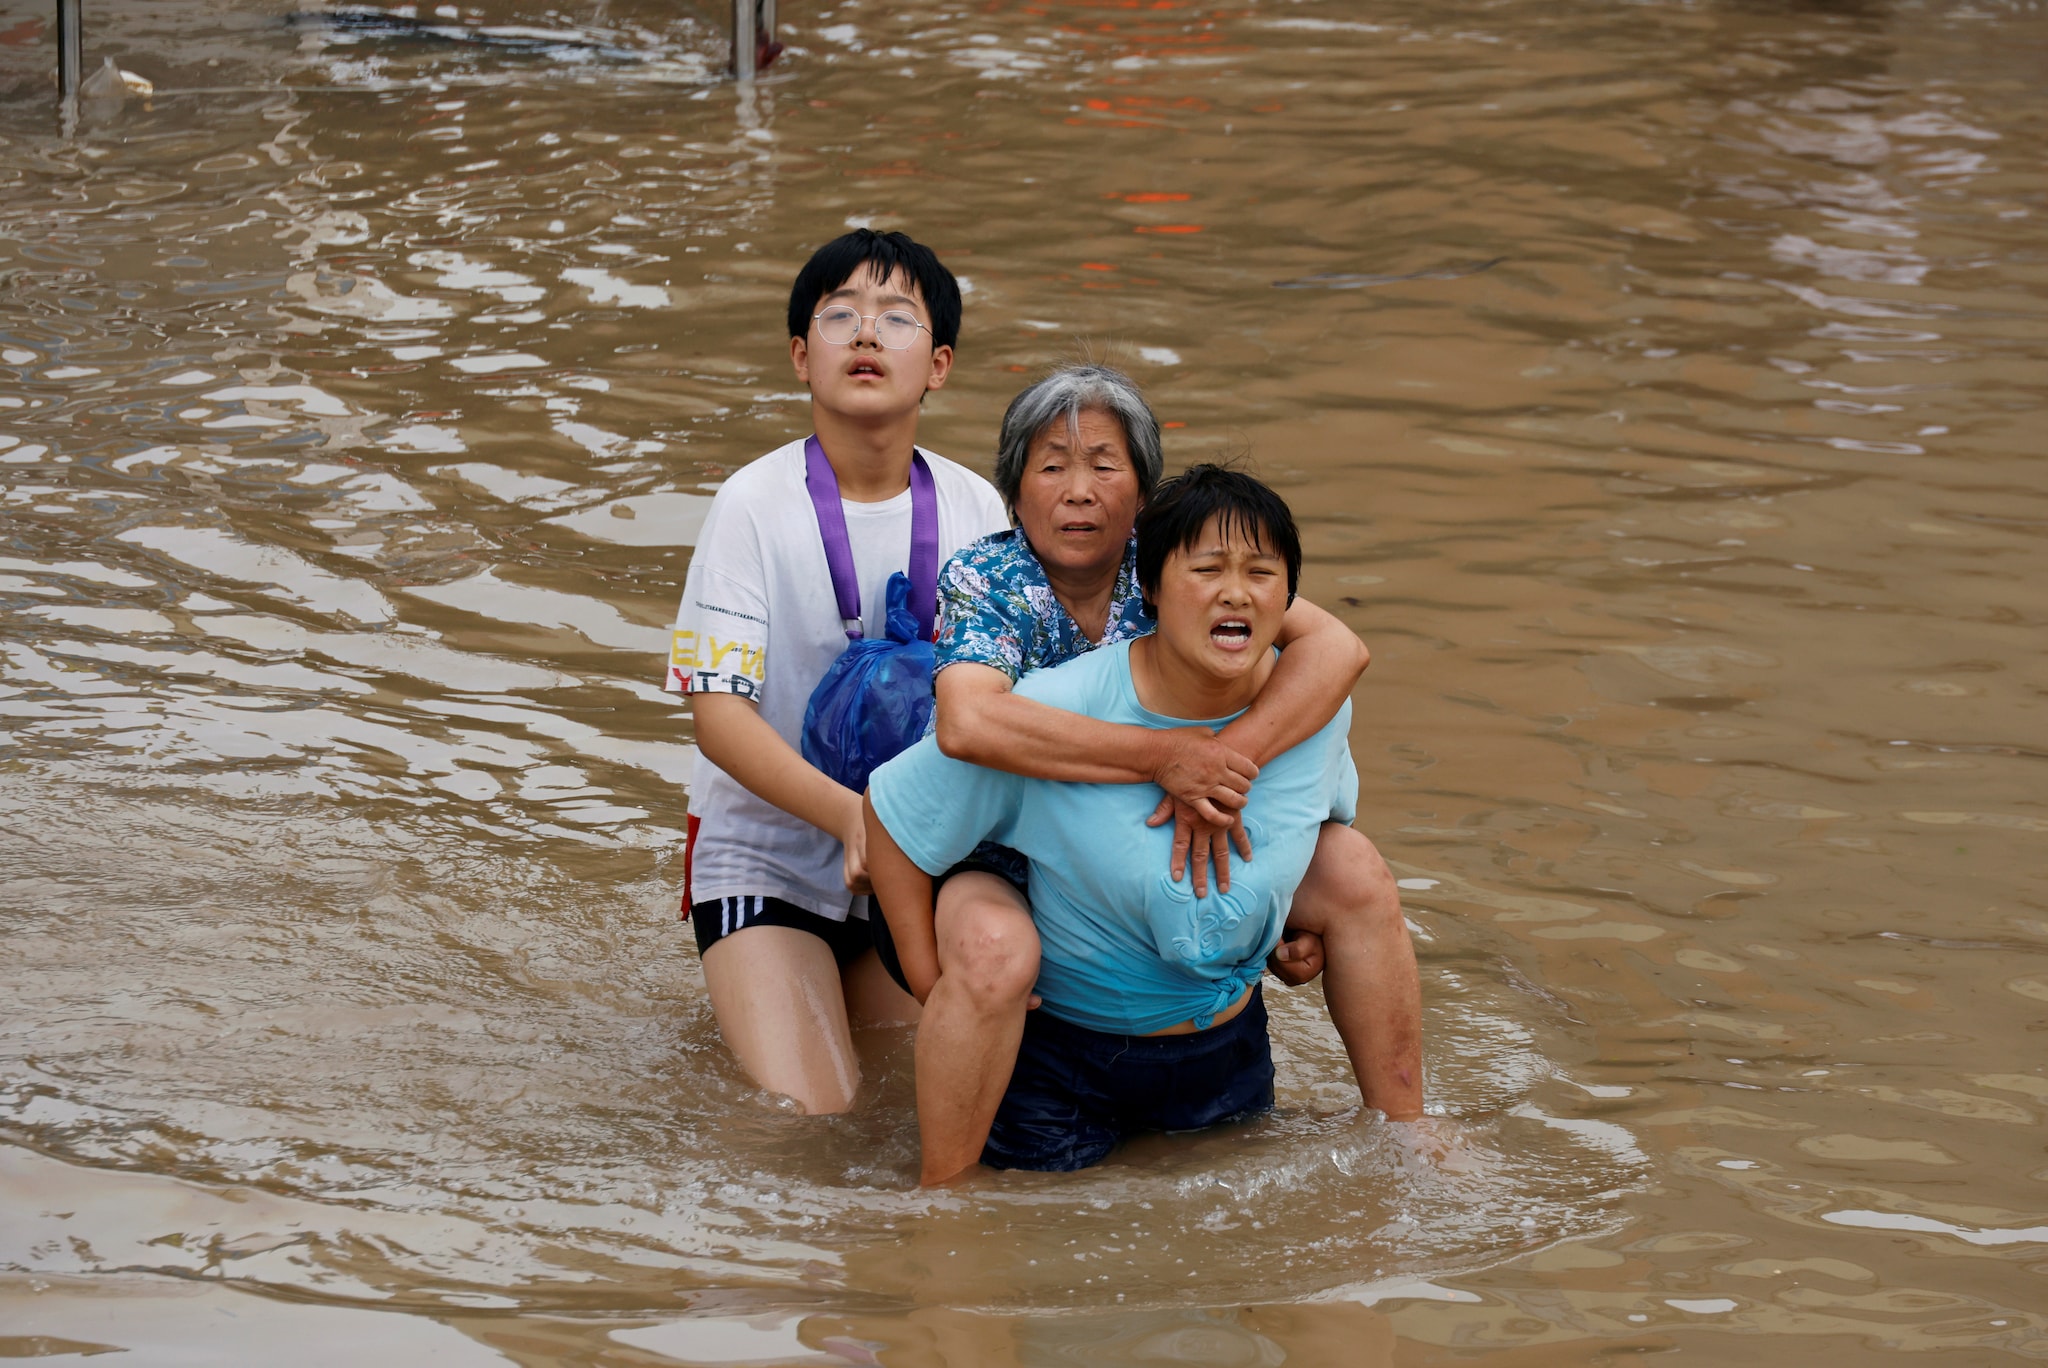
(841, 323)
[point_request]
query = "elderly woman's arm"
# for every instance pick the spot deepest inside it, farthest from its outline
(1321, 661)
(982, 722)
(1205, 777)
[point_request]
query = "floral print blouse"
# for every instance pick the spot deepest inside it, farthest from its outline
(997, 608)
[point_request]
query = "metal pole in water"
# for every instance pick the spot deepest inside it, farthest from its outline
(768, 42)
(70, 50)
(745, 39)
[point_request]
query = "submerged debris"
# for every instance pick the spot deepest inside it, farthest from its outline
(112, 83)
(376, 23)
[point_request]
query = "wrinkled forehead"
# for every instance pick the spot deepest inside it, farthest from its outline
(1091, 429)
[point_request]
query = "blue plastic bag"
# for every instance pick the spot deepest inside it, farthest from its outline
(876, 699)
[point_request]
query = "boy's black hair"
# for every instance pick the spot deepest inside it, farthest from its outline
(882, 254)
(1173, 519)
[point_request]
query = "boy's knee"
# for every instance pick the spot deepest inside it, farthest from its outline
(993, 950)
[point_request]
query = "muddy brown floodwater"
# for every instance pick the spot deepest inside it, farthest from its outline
(360, 398)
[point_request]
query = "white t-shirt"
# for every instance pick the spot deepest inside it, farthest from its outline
(759, 619)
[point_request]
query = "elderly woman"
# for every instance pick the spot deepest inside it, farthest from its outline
(1152, 1018)
(1079, 456)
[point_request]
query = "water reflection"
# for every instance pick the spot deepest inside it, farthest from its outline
(360, 401)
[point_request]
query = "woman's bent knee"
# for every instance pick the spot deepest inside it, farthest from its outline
(1351, 854)
(1347, 882)
(992, 948)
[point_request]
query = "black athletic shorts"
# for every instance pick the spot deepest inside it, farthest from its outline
(716, 918)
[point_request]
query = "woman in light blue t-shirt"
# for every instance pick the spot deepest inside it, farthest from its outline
(1151, 1017)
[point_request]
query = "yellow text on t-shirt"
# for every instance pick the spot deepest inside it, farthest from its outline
(691, 652)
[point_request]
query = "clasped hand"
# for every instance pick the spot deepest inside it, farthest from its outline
(1206, 785)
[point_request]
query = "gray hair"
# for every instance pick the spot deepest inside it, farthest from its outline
(1064, 396)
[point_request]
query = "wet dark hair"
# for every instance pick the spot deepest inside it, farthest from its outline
(1173, 518)
(883, 254)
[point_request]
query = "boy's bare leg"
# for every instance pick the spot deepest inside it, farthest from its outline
(1350, 899)
(781, 1009)
(973, 1019)
(872, 997)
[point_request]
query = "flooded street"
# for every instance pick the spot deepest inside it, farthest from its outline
(1659, 386)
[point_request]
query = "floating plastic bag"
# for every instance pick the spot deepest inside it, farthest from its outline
(876, 699)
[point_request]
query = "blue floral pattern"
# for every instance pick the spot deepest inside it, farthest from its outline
(997, 608)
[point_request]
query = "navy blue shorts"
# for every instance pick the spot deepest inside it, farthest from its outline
(999, 860)
(1077, 1092)
(716, 918)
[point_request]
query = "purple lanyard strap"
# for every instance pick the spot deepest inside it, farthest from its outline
(924, 540)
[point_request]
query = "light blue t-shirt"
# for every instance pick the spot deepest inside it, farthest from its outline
(1124, 948)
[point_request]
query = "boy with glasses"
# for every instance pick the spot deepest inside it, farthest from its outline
(776, 864)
